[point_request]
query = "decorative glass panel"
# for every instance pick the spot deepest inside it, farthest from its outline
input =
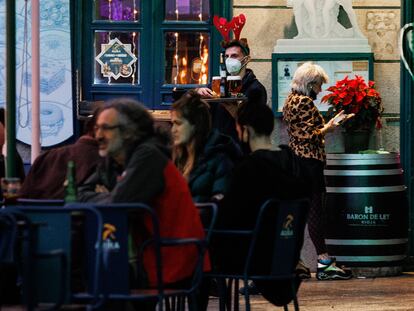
(117, 10)
(116, 57)
(187, 10)
(186, 57)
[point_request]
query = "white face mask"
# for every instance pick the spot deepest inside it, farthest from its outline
(233, 66)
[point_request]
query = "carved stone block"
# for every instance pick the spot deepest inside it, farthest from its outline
(382, 27)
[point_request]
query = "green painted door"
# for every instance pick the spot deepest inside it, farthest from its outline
(173, 41)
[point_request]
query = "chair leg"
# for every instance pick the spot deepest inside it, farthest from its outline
(229, 291)
(246, 295)
(192, 303)
(221, 287)
(295, 298)
(295, 303)
(236, 295)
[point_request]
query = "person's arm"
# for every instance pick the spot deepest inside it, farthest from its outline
(143, 178)
(221, 176)
(305, 120)
(93, 190)
(205, 92)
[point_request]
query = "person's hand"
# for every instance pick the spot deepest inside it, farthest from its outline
(101, 189)
(205, 92)
(341, 117)
(337, 120)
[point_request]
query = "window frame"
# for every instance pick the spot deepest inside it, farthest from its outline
(152, 27)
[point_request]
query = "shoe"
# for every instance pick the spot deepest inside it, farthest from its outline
(252, 289)
(302, 271)
(328, 270)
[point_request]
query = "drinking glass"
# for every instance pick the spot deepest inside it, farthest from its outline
(10, 187)
(215, 85)
(234, 84)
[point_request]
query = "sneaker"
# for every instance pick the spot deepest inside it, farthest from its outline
(302, 271)
(328, 270)
(252, 289)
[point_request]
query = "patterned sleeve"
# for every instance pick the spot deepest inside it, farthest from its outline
(304, 119)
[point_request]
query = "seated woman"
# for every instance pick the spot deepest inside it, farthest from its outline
(204, 156)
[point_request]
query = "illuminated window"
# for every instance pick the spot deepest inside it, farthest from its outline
(187, 10)
(144, 49)
(186, 56)
(117, 10)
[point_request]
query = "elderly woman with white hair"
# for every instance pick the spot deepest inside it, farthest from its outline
(307, 128)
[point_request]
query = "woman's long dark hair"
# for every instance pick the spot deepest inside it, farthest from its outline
(196, 111)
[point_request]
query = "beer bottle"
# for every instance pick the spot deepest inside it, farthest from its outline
(223, 77)
(70, 183)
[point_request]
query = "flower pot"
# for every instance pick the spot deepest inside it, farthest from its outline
(356, 140)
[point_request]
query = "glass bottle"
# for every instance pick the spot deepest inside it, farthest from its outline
(223, 77)
(70, 183)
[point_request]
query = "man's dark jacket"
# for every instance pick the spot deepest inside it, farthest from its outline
(255, 93)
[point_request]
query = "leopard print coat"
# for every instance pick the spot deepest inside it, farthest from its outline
(304, 127)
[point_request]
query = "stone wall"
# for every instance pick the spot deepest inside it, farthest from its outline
(270, 20)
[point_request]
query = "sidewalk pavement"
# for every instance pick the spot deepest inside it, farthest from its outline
(368, 294)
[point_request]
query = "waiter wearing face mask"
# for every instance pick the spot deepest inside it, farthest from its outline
(237, 56)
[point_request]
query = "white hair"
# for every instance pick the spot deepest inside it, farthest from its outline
(307, 75)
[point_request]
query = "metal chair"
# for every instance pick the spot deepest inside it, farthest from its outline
(208, 215)
(49, 281)
(117, 215)
(8, 260)
(273, 249)
(40, 202)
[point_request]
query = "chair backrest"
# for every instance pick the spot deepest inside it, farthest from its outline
(208, 215)
(154, 241)
(54, 236)
(40, 202)
(277, 237)
(8, 235)
(116, 218)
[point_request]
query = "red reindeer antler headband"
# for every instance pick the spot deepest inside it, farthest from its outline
(236, 24)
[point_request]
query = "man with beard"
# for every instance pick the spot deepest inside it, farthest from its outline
(137, 169)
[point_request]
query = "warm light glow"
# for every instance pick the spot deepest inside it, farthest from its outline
(176, 56)
(200, 16)
(205, 55)
(176, 34)
(204, 79)
(183, 73)
(183, 76)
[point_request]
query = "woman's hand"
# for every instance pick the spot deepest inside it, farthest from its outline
(337, 120)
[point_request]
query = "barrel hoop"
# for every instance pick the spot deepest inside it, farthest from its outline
(370, 258)
(345, 156)
(362, 162)
(366, 242)
(365, 189)
(362, 172)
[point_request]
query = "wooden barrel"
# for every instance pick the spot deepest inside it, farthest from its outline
(367, 212)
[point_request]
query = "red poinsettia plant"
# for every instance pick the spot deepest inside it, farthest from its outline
(357, 97)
